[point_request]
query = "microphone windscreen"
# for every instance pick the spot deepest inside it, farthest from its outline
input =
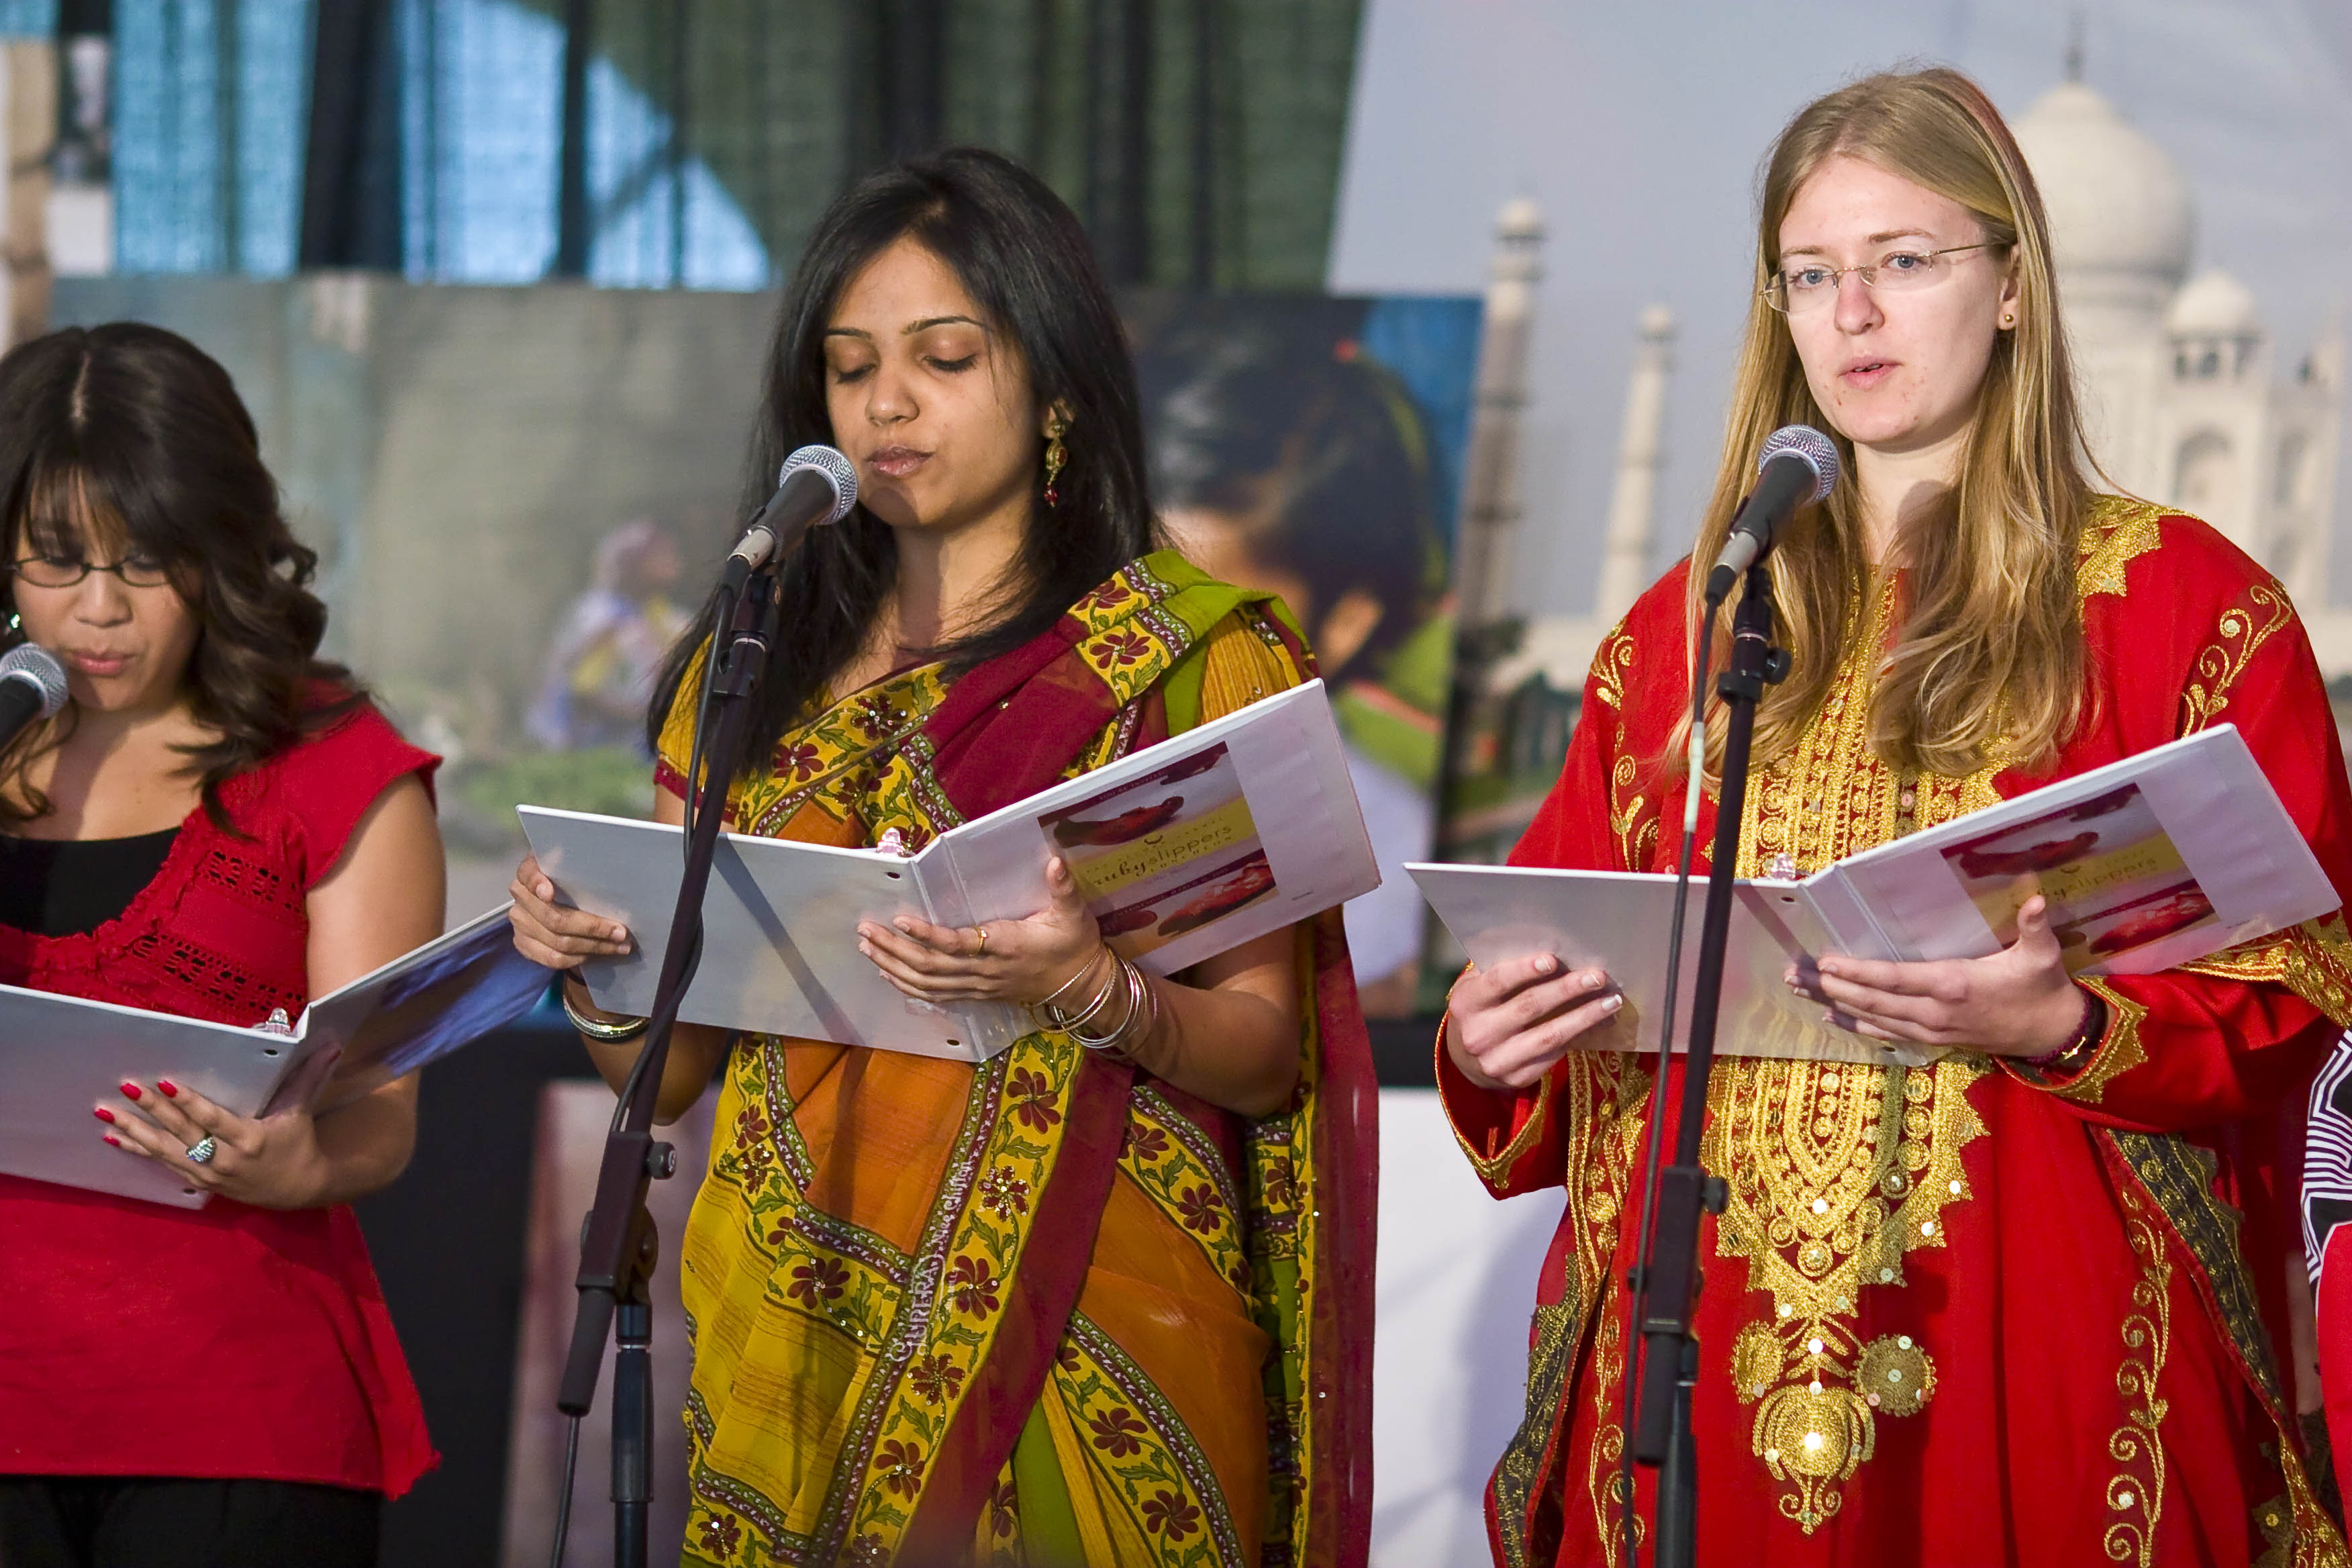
(828, 461)
(1816, 450)
(38, 668)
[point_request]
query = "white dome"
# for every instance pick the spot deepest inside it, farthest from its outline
(2214, 306)
(2120, 218)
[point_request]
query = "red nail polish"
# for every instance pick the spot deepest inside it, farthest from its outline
(104, 1114)
(112, 1139)
(129, 1090)
(171, 1091)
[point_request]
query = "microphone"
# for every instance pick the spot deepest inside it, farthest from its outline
(1798, 466)
(817, 486)
(32, 685)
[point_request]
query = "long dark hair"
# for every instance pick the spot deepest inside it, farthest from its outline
(135, 439)
(1024, 260)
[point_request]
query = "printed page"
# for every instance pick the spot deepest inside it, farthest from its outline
(2147, 863)
(1191, 847)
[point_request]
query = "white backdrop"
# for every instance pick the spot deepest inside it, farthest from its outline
(1456, 1285)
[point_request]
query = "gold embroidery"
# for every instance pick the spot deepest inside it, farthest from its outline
(2277, 1528)
(1604, 1475)
(1604, 1097)
(1637, 834)
(2314, 961)
(1616, 654)
(1635, 830)
(2118, 529)
(1836, 1170)
(1496, 1171)
(1606, 1190)
(2136, 1492)
(2223, 659)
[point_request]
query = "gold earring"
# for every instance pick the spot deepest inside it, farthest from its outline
(2007, 320)
(1056, 455)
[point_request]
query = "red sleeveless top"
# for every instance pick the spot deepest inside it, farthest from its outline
(227, 1341)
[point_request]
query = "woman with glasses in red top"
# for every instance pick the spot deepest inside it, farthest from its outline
(219, 826)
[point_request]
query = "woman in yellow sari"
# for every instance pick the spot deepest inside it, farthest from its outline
(1072, 1305)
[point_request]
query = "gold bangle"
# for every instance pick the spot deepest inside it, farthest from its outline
(607, 1032)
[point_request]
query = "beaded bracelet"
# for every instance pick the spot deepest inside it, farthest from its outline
(2058, 1065)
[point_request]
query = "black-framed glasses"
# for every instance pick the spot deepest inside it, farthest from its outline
(42, 572)
(1793, 290)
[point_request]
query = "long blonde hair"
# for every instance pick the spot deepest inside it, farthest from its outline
(1989, 657)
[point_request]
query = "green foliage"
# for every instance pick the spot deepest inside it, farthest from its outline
(611, 780)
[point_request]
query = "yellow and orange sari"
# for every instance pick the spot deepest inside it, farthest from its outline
(1047, 1309)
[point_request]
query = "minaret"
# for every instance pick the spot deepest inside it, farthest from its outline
(1641, 457)
(1490, 480)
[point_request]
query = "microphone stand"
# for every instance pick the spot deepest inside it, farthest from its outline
(618, 1246)
(1662, 1438)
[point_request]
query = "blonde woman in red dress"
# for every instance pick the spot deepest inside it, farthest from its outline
(218, 826)
(2027, 1304)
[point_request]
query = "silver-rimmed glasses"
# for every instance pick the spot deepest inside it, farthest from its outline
(1807, 285)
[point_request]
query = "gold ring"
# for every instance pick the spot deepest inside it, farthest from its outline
(983, 941)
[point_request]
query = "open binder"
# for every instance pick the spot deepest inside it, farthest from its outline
(64, 1054)
(1183, 850)
(2147, 863)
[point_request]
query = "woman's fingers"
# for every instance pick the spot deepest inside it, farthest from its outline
(1483, 987)
(915, 982)
(1526, 1057)
(1069, 899)
(1526, 1013)
(162, 1128)
(547, 934)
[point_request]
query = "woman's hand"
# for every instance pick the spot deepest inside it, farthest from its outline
(1507, 1024)
(2020, 1002)
(553, 934)
(274, 1162)
(1011, 961)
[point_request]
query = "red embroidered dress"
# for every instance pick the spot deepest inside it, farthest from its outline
(1952, 1317)
(229, 1341)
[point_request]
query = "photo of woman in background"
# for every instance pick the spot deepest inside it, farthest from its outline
(1287, 458)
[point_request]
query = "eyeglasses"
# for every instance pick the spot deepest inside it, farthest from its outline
(1796, 289)
(44, 572)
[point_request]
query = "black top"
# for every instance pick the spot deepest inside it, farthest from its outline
(63, 887)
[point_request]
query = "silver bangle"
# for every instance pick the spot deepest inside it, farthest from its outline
(1055, 996)
(1068, 1022)
(601, 1031)
(1142, 1009)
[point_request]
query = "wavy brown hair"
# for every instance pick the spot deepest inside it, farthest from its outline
(1988, 660)
(133, 440)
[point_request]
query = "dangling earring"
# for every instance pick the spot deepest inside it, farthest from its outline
(1056, 455)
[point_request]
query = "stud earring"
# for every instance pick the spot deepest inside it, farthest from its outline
(2007, 320)
(1057, 456)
